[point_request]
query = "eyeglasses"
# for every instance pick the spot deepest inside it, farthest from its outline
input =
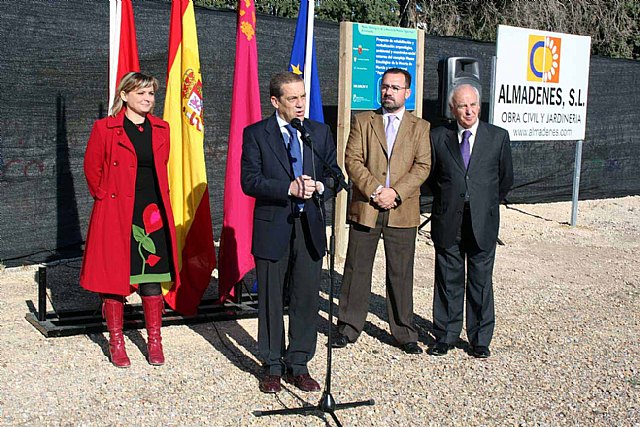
(392, 88)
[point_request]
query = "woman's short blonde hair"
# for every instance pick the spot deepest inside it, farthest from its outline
(131, 81)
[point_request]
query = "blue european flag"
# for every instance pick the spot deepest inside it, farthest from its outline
(296, 63)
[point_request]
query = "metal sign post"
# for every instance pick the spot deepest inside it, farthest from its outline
(576, 184)
(492, 93)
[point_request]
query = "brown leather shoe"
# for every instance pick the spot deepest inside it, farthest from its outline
(270, 384)
(303, 381)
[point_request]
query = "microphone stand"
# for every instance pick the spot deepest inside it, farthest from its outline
(327, 403)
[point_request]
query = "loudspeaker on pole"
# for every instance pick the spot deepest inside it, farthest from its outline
(454, 71)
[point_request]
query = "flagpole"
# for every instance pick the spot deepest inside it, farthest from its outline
(308, 52)
(115, 18)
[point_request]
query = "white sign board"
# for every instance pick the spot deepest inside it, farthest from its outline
(541, 82)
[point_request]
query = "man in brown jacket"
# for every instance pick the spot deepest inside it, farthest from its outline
(388, 157)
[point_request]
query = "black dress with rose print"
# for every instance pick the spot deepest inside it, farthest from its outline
(150, 257)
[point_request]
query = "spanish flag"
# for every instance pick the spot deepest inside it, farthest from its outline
(237, 224)
(187, 172)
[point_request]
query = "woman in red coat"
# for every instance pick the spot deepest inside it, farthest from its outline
(131, 241)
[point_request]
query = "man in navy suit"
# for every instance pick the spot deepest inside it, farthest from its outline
(289, 237)
(471, 173)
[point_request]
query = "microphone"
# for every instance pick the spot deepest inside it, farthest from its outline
(297, 125)
(306, 139)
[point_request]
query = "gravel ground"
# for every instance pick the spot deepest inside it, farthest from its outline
(565, 350)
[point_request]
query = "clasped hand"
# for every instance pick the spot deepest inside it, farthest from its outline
(303, 187)
(385, 198)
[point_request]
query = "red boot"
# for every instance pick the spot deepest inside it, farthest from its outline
(153, 307)
(113, 312)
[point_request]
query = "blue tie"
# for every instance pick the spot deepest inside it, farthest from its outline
(295, 155)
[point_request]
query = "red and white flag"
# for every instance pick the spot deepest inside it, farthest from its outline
(123, 47)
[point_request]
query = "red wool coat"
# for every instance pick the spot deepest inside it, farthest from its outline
(110, 166)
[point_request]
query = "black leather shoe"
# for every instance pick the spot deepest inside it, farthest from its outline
(480, 352)
(440, 349)
(411, 348)
(340, 341)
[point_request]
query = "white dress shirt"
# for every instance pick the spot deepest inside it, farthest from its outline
(287, 137)
(472, 138)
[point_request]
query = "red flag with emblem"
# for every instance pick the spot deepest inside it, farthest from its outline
(237, 224)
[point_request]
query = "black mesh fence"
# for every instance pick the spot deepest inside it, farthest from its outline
(53, 79)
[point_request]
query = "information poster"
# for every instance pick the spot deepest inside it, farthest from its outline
(375, 49)
(541, 83)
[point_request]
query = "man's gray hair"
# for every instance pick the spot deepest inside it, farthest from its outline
(453, 90)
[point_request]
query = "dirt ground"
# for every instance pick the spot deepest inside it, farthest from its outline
(565, 351)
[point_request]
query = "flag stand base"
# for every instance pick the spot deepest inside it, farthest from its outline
(327, 405)
(64, 323)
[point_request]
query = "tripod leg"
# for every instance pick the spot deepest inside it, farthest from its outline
(348, 405)
(335, 419)
(425, 222)
(287, 411)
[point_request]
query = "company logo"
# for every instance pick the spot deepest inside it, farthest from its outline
(544, 59)
(192, 99)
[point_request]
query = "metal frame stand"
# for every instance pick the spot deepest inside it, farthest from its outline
(76, 322)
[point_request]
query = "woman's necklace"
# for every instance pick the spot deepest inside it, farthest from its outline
(139, 126)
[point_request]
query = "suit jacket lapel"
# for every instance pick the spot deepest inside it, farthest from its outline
(158, 140)
(481, 135)
(406, 124)
(454, 147)
(117, 123)
(276, 143)
(378, 128)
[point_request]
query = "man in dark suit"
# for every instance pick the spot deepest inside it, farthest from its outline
(471, 173)
(289, 237)
(387, 158)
